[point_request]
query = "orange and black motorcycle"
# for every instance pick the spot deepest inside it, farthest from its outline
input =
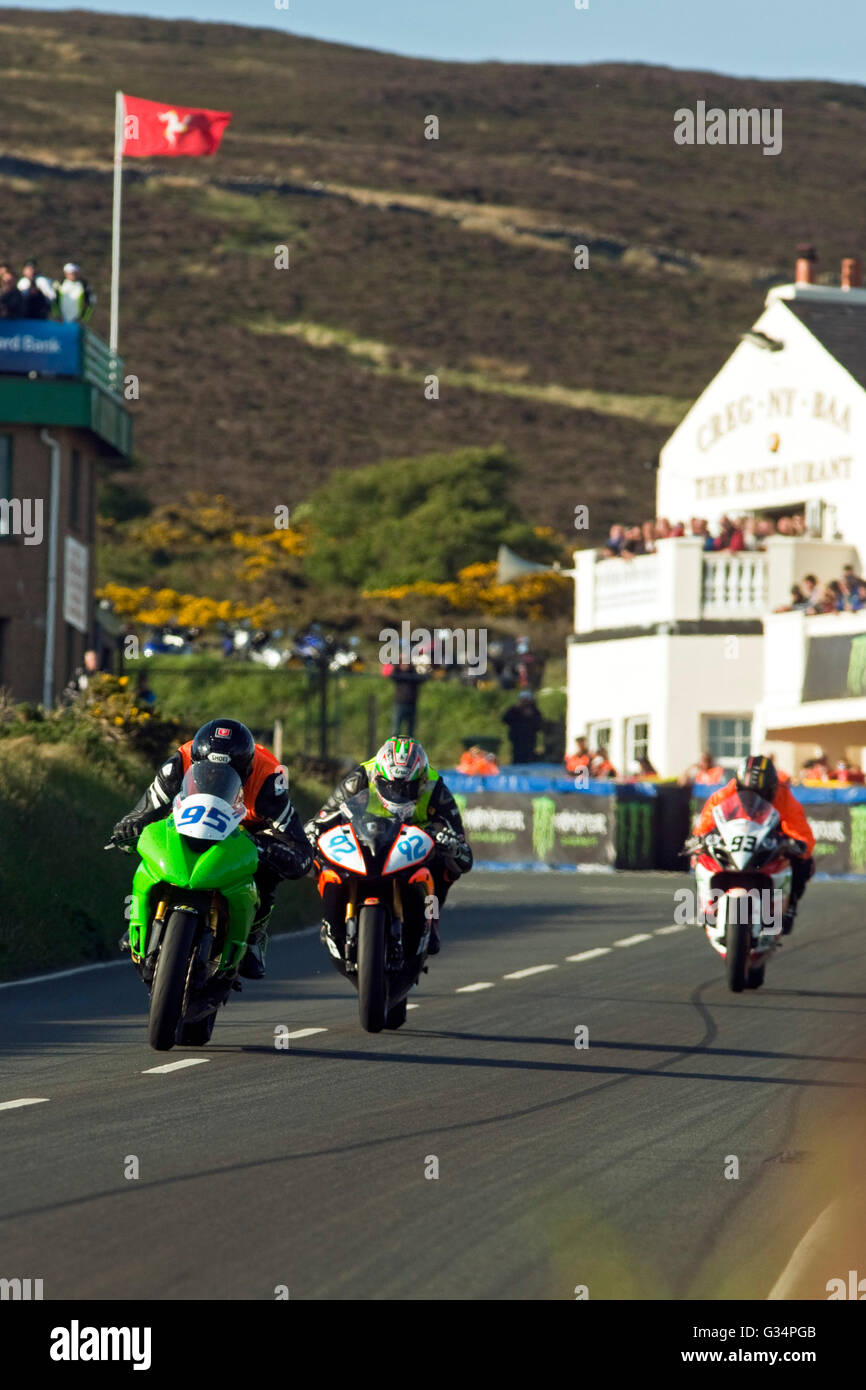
(383, 865)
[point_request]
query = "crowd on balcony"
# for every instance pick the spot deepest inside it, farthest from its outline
(847, 594)
(34, 296)
(729, 533)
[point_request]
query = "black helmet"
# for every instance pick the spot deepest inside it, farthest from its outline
(225, 741)
(757, 774)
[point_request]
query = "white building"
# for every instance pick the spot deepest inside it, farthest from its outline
(681, 650)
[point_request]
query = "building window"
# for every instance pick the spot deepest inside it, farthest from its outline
(729, 740)
(5, 484)
(74, 490)
(636, 741)
(600, 736)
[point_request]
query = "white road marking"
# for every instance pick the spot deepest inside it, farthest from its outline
(676, 926)
(531, 970)
(176, 1066)
(591, 955)
(413, 1006)
(471, 989)
(15, 1104)
(305, 1032)
(633, 940)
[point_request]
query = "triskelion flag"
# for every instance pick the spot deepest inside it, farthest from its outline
(157, 128)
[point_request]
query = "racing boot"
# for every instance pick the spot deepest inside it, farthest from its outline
(252, 967)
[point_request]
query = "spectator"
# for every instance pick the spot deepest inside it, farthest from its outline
(476, 763)
(601, 766)
(751, 539)
(706, 772)
(523, 721)
(74, 299)
(798, 600)
(645, 769)
(809, 590)
(648, 533)
(37, 290)
(847, 772)
(11, 298)
(143, 693)
(581, 756)
(615, 541)
(406, 683)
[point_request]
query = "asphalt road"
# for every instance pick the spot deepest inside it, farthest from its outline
(558, 1167)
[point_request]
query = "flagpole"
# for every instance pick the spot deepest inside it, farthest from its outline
(115, 225)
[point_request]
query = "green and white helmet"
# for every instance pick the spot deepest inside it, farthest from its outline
(400, 775)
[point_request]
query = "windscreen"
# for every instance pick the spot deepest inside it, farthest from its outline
(212, 779)
(746, 805)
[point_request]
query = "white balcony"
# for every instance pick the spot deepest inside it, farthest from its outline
(683, 583)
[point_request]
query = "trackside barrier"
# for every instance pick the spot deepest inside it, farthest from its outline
(533, 816)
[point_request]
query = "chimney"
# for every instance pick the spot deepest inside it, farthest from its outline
(805, 271)
(852, 274)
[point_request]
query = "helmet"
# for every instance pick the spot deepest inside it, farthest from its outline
(400, 771)
(225, 741)
(758, 774)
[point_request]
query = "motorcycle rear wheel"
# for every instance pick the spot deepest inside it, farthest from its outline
(371, 967)
(169, 981)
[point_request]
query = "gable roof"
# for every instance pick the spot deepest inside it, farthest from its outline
(840, 328)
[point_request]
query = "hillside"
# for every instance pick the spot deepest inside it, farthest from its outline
(411, 256)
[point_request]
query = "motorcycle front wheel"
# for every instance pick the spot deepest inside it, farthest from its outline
(169, 981)
(372, 923)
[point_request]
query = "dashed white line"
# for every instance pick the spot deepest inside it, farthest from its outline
(413, 1006)
(305, 1032)
(472, 989)
(530, 970)
(676, 926)
(633, 940)
(16, 1104)
(176, 1066)
(591, 955)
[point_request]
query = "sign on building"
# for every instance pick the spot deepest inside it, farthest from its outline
(76, 565)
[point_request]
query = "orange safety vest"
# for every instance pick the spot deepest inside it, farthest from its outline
(264, 764)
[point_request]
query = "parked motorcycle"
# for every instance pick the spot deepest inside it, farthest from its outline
(193, 902)
(384, 866)
(743, 877)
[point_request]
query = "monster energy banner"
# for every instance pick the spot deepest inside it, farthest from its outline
(565, 829)
(835, 667)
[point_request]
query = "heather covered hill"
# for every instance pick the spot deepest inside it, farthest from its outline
(408, 256)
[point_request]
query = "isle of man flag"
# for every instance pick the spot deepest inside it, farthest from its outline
(157, 128)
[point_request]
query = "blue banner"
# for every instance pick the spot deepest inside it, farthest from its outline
(39, 345)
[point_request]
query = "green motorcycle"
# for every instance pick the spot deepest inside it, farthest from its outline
(193, 901)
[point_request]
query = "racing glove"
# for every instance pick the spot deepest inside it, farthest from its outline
(127, 831)
(788, 845)
(453, 848)
(287, 860)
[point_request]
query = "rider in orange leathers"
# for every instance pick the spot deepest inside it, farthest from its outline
(758, 774)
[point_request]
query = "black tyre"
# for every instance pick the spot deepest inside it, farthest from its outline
(738, 944)
(371, 968)
(755, 977)
(169, 981)
(396, 1016)
(198, 1033)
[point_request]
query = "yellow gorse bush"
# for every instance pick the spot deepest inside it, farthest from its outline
(533, 596)
(159, 607)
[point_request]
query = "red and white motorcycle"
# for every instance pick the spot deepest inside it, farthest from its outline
(743, 876)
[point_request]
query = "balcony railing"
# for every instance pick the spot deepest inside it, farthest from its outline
(734, 586)
(682, 582)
